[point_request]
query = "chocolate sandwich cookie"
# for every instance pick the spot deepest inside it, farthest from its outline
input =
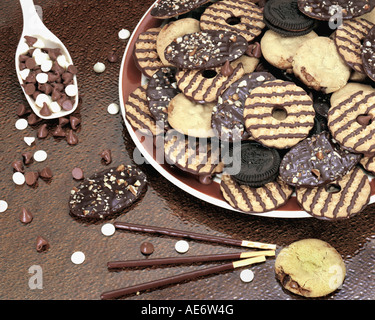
(255, 200)
(242, 17)
(350, 121)
(284, 17)
(227, 116)
(258, 164)
(368, 54)
(206, 49)
(316, 161)
(107, 193)
(196, 156)
(138, 114)
(165, 9)
(145, 52)
(348, 39)
(341, 199)
(161, 88)
(325, 10)
(279, 114)
(205, 86)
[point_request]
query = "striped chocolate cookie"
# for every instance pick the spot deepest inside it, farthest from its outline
(243, 17)
(348, 39)
(350, 121)
(207, 85)
(138, 114)
(369, 164)
(255, 200)
(279, 114)
(342, 199)
(145, 52)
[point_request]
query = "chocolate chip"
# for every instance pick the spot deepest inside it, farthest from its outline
(29, 88)
(42, 131)
(30, 63)
(59, 132)
(18, 166)
(254, 50)
(71, 138)
(26, 216)
(112, 57)
(77, 173)
(45, 87)
(74, 122)
(106, 156)
(27, 157)
(67, 105)
(41, 244)
(45, 111)
(30, 40)
(46, 173)
(22, 110)
(72, 69)
(63, 121)
(67, 78)
(364, 119)
(53, 53)
(226, 70)
(31, 177)
(33, 119)
(147, 248)
(56, 95)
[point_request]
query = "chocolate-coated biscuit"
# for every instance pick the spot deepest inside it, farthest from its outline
(205, 49)
(350, 121)
(279, 114)
(165, 9)
(242, 17)
(368, 54)
(107, 193)
(348, 39)
(227, 116)
(341, 199)
(255, 200)
(325, 10)
(206, 85)
(145, 52)
(316, 161)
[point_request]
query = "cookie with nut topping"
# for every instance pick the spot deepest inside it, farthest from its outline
(107, 192)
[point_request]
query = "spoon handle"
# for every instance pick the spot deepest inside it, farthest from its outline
(31, 19)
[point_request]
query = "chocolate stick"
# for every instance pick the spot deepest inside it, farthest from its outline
(179, 278)
(191, 259)
(193, 235)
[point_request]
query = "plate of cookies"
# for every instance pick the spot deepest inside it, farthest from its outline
(260, 107)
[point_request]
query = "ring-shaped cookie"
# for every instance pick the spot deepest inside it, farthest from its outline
(279, 114)
(242, 17)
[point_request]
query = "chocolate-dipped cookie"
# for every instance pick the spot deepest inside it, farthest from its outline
(316, 161)
(107, 193)
(205, 50)
(368, 54)
(165, 9)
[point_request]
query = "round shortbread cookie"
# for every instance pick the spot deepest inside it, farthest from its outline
(206, 85)
(172, 31)
(279, 114)
(319, 66)
(255, 200)
(341, 199)
(145, 54)
(279, 50)
(310, 268)
(242, 17)
(350, 121)
(348, 39)
(349, 89)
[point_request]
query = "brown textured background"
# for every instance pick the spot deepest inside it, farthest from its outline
(89, 29)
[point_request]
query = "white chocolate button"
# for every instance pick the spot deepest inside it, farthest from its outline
(108, 229)
(46, 65)
(71, 90)
(113, 108)
(99, 67)
(42, 77)
(21, 124)
(23, 48)
(40, 155)
(55, 107)
(77, 257)
(24, 73)
(61, 60)
(41, 98)
(29, 140)
(182, 246)
(124, 34)
(247, 275)
(3, 205)
(18, 178)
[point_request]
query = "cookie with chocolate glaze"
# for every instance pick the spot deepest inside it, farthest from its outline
(255, 200)
(227, 116)
(205, 49)
(107, 192)
(368, 164)
(316, 161)
(341, 199)
(242, 17)
(368, 54)
(165, 9)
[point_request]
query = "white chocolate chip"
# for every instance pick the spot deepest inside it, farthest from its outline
(3, 205)
(247, 275)
(124, 34)
(40, 155)
(71, 90)
(61, 60)
(18, 178)
(54, 107)
(29, 140)
(113, 108)
(99, 67)
(42, 77)
(108, 229)
(46, 65)
(43, 98)
(182, 246)
(77, 257)
(23, 48)
(39, 44)
(24, 73)
(21, 124)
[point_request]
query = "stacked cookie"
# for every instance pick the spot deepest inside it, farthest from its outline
(289, 97)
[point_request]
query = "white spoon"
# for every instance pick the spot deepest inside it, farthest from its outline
(34, 27)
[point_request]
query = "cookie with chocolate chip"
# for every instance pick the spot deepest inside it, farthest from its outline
(107, 192)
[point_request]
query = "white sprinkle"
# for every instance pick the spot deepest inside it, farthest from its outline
(71, 90)
(247, 275)
(21, 124)
(18, 178)
(99, 67)
(113, 108)
(124, 34)
(3, 205)
(29, 140)
(42, 77)
(108, 229)
(40, 155)
(77, 257)
(182, 246)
